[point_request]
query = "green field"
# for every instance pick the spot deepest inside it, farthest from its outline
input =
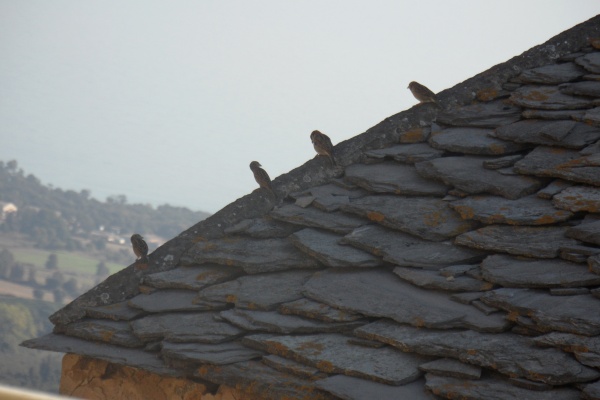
(67, 261)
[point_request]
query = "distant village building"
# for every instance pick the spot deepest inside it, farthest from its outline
(6, 209)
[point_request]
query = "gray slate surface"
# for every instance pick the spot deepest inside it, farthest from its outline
(185, 327)
(426, 217)
(350, 388)
(533, 273)
(512, 355)
(310, 216)
(469, 175)
(391, 177)
(258, 292)
(410, 251)
(529, 210)
(254, 256)
(472, 141)
(566, 314)
(379, 293)
(492, 389)
(325, 247)
(332, 353)
(529, 241)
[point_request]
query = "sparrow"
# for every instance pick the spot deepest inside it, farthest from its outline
(323, 145)
(261, 177)
(422, 93)
(140, 248)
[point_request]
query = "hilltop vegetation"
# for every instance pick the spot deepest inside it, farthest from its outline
(53, 218)
(22, 319)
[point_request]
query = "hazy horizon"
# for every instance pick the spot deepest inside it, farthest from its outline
(168, 102)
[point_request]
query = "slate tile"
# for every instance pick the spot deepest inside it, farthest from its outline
(574, 314)
(484, 308)
(169, 300)
(468, 174)
(452, 367)
(576, 115)
(590, 62)
(406, 153)
(331, 196)
(312, 309)
(410, 251)
(456, 270)
(559, 163)
(569, 291)
(216, 354)
(258, 380)
(262, 228)
(190, 278)
(481, 115)
(472, 141)
(466, 298)
(592, 116)
(570, 134)
(435, 281)
(292, 367)
(351, 388)
(529, 210)
(391, 177)
(254, 256)
(553, 188)
(529, 241)
(335, 221)
(117, 312)
(492, 388)
(552, 74)
(379, 293)
(331, 353)
(103, 351)
(274, 322)
(594, 264)
(591, 391)
(579, 198)
(102, 330)
(547, 98)
(325, 247)
(416, 135)
(502, 162)
(517, 272)
(258, 292)
(510, 354)
(531, 385)
(425, 217)
(578, 254)
(198, 327)
(584, 88)
(586, 349)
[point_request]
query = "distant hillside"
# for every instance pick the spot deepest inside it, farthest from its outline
(20, 320)
(53, 217)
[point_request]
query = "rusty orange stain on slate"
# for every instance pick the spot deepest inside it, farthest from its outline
(487, 94)
(375, 216)
(412, 136)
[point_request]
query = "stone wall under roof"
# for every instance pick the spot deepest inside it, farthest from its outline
(455, 253)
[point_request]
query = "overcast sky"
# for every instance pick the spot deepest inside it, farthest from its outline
(169, 101)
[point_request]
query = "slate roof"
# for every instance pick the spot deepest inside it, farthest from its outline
(454, 254)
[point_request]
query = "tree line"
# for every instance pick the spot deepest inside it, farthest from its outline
(53, 217)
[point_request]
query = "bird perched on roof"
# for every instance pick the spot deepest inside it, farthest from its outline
(422, 93)
(323, 145)
(261, 177)
(140, 248)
